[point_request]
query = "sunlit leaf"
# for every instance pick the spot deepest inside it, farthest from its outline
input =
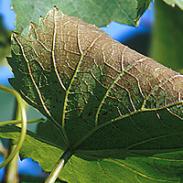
(92, 11)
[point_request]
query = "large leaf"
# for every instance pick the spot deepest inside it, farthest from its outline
(178, 3)
(114, 108)
(150, 160)
(93, 11)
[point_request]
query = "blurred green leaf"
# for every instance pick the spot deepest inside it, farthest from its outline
(29, 179)
(93, 11)
(4, 41)
(6, 106)
(168, 35)
(178, 3)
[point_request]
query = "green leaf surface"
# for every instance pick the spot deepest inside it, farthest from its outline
(178, 3)
(119, 112)
(149, 160)
(92, 11)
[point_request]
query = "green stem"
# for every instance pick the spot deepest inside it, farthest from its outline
(16, 122)
(12, 167)
(23, 118)
(59, 166)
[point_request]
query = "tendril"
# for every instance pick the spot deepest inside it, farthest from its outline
(23, 120)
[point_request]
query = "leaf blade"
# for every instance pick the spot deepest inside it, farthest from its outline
(90, 11)
(111, 93)
(133, 168)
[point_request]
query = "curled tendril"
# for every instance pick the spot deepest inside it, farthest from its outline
(23, 120)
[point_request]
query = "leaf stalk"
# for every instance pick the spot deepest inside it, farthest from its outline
(59, 166)
(23, 118)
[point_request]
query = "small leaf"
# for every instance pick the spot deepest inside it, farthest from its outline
(113, 107)
(93, 11)
(178, 3)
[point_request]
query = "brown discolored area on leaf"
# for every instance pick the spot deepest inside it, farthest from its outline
(80, 78)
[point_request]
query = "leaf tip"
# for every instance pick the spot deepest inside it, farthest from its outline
(55, 8)
(32, 25)
(14, 36)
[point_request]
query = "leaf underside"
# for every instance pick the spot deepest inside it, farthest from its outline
(117, 110)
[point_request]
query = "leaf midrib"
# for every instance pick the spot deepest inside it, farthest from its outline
(121, 118)
(75, 74)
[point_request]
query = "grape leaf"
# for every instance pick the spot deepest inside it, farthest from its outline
(150, 159)
(178, 3)
(93, 11)
(114, 108)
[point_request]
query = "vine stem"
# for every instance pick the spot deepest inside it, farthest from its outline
(12, 168)
(59, 166)
(23, 118)
(11, 174)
